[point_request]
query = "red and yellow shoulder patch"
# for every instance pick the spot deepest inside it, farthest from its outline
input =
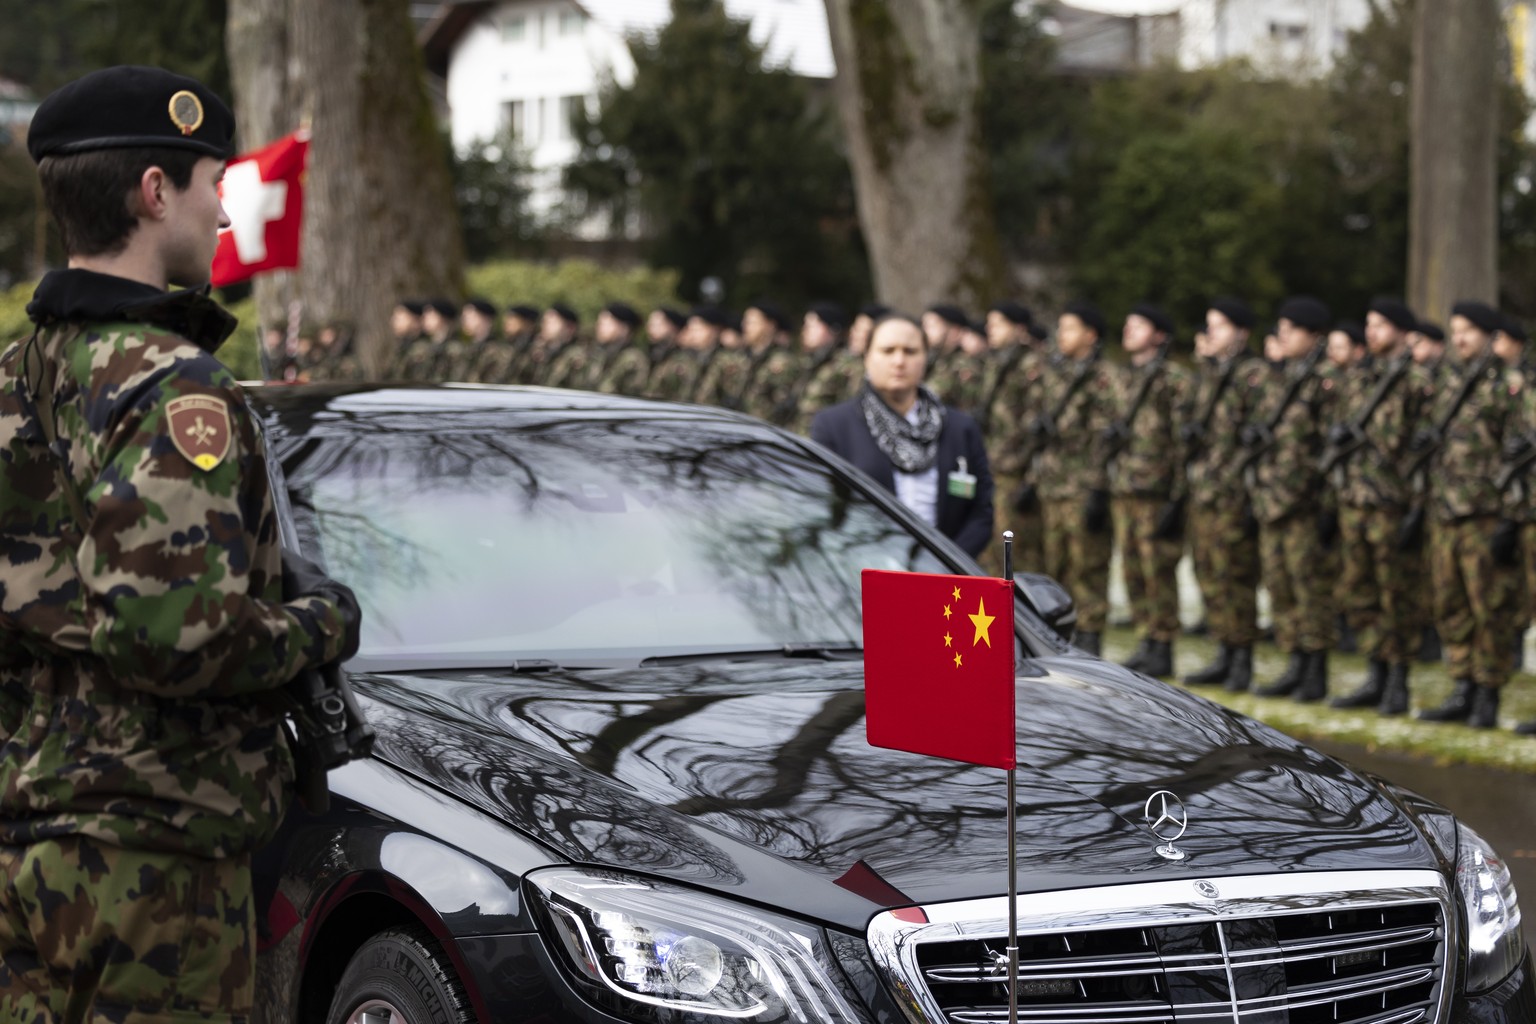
(200, 429)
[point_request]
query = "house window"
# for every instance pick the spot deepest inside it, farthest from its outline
(514, 29)
(514, 118)
(572, 22)
(1282, 32)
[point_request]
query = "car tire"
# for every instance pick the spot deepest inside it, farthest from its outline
(400, 976)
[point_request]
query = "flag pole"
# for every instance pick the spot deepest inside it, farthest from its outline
(1013, 845)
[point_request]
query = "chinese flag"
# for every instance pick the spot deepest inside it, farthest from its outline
(263, 196)
(938, 665)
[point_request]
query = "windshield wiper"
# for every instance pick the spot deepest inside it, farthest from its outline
(822, 651)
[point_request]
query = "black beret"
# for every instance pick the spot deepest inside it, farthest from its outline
(875, 311)
(482, 306)
(950, 314)
(525, 312)
(1235, 310)
(1160, 319)
(130, 107)
(1013, 312)
(623, 312)
(1482, 315)
(1038, 332)
(773, 311)
(1305, 312)
(413, 306)
(1395, 310)
(831, 314)
(674, 317)
(712, 315)
(442, 307)
(1431, 330)
(564, 312)
(1515, 329)
(1353, 329)
(1090, 316)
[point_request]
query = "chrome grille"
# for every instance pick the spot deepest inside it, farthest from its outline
(1340, 948)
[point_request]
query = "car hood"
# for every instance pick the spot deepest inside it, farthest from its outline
(755, 778)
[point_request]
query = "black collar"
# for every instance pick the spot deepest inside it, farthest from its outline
(86, 296)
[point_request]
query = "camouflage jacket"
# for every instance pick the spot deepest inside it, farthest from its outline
(1520, 498)
(1015, 403)
(624, 372)
(1374, 475)
(1000, 365)
(141, 656)
(1463, 472)
(1150, 463)
(676, 376)
(453, 360)
(1286, 479)
(959, 380)
(1073, 463)
(771, 390)
(490, 362)
(419, 361)
(538, 362)
(723, 381)
(1227, 395)
(572, 364)
(830, 377)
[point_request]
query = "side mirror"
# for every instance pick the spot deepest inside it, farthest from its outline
(1050, 601)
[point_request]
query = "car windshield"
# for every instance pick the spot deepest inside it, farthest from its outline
(591, 541)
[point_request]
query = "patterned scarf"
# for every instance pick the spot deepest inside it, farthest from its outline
(912, 449)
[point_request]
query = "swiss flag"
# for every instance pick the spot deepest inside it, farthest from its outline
(938, 665)
(264, 198)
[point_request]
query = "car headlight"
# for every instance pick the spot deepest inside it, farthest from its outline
(660, 947)
(1495, 943)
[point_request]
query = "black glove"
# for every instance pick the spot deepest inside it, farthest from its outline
(1506, 543)
(1327, 528)
(1096, 512)
(1024, 498)
(1424, 439)
(1410, 532)
(303, 578)
(1339, 435)
(1170, 521)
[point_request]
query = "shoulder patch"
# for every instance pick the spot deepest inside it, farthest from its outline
(1327, 383)
(200, 429)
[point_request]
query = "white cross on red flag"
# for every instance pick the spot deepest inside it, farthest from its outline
(263, 195)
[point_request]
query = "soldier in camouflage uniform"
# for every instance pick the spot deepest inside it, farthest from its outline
(504, 363)
(564, 358)
(624, 365)
(142, 655)
(1427, 341)
(422, 357)
(1374, 495)
(1069, 467)
(480, 334)
(1474, 547)
(1151, 401)
(959, 379)
(405, 327)
(675, 378)
(764, 328)
(831, 373)
(1223, 535)
(1289, 499)
(777, 373)
(336, 359)
(1014, 364)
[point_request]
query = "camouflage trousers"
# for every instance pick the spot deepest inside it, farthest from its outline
(96, 934)
(1300, 583)
(1028, 535)
(1227, 567)
(1078, 560)
(1528, 565)
(1376, 583)
(1150, 565)
(1477, 602)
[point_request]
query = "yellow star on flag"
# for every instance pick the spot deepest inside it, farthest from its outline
(946, 611)
(983, 622)
(957, 661)
(957, 593)
(948, 640)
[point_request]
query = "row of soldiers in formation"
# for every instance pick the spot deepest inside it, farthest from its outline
(1342, 470)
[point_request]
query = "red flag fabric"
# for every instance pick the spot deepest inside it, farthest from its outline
(938, 665)
(264, 199)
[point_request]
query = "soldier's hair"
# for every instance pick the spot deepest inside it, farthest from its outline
(90, 193)
(892, 316)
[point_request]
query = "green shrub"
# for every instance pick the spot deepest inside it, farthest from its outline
(580, 284)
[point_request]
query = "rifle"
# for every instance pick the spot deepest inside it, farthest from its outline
(1335, 454)
(330, 726)
(1193, 433)
(1265, 440)
(1429, 441)
(1043, 431)
(1516, 467)
(1119, 432)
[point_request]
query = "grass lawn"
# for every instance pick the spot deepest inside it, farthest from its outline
(1428, 684)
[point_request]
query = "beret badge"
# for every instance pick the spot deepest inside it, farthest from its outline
(186, 112)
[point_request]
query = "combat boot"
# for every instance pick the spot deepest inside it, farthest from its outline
(1216, 672)
(1137, 661)
(1159, 660)
(1289, 679)
(1394, 695)
(1314, 678)
(1485, 708)
(1369, 693)
(1241, 676)
(1086, 642)
(1456, 707)
(1347, 643)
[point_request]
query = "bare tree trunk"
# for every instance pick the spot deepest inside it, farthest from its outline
(907, 88)
(379, 218)
(1453, 211)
